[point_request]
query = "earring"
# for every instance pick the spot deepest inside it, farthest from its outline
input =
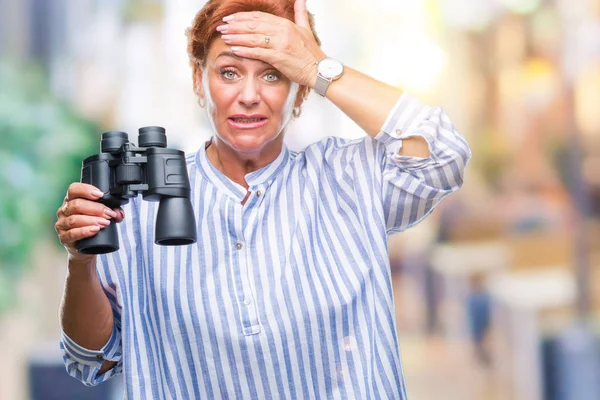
(201, 102)
(297, 112)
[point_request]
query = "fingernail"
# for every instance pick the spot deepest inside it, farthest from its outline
(104, 222)
(235, 49)
(110, 213)
(228, 18)
(97, 193)
(222, 28)
(94, 228)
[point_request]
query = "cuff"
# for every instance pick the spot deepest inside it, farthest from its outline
(405, 121)
(111, 351)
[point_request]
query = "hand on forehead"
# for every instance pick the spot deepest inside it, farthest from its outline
(255, 21)
(220, 51)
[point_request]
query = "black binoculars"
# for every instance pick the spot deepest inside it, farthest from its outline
(122, 170)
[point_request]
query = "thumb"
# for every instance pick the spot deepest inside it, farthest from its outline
(300, 14)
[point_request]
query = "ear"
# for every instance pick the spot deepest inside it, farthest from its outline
(301, 96)
(198, 82)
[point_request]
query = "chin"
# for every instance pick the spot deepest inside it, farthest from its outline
(248, 141)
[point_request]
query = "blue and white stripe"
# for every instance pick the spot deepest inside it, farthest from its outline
(302, 307)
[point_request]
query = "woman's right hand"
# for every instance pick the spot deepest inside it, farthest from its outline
(81, 216)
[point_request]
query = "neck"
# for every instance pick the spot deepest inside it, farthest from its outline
(236, 165)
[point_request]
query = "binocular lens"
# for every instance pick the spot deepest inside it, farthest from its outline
(152, 136)
(105, 241)
(111, 142)
(175, 222)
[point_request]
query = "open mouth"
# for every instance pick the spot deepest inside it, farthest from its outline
(239, 122)
(247, 120)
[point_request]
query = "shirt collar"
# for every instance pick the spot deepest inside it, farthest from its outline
(261, 177)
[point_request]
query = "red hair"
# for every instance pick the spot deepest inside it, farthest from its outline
(204, 27)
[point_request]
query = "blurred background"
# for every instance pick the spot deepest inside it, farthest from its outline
(497, 292)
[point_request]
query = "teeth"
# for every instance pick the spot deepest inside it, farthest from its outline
(247, 120)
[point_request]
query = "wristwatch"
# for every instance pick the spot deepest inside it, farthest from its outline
(329, 69)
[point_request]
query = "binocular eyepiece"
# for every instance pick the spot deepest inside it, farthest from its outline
(122, 170)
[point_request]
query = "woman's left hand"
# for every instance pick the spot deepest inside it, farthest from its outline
(289, 47)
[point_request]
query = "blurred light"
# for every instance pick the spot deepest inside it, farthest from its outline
(522, 6)
(591, 166)
(531, 289)
(19, 173)
(533, 85)
(587, 98)
(392, 6)
(413, 61)
(545, 27)
(468, 14)
(541, 83)
(572, 10)
(510, 38)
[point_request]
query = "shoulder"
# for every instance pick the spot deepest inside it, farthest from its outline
(191, 160)
(332, 145)
(364, 149)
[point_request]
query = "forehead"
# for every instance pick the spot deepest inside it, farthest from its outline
(218, 46)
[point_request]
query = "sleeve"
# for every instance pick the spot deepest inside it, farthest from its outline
(413, 186)
(84, 364)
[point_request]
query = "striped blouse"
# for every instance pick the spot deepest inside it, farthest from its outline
(288, 296)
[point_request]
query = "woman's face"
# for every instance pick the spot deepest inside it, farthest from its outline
(248, 101)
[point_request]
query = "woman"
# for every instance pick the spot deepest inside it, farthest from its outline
(287, 293)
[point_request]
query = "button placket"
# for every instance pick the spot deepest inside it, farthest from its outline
(248, 310)
(246, 307)
(259, 194)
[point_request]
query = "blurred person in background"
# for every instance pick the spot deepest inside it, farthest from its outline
(478, 305)
(287, 293)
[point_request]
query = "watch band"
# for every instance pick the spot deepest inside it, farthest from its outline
(322, 84)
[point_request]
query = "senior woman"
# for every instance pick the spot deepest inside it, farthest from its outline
(287, 293)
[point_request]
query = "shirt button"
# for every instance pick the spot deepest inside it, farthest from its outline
(398, 132)
(247, 301)
(239, 246)
(100, 357)
(259, 193)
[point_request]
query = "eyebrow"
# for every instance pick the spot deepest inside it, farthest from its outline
(229, 54)
(232, 54)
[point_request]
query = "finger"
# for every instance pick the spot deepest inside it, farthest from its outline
(301, 14)
(250, 26)
(79, 221)
(257, 53)
(253, 16)
(249, 40)
(84, 191)
(87, 207)
(69, 237)
(120, 214)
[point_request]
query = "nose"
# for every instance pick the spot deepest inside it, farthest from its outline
(250, 93)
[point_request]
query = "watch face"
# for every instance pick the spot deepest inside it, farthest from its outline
(330, 68)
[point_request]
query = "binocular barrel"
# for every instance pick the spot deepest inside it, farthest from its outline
(122, 171)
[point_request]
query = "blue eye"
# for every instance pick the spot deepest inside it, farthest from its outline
(271, 77)
(228, 74)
